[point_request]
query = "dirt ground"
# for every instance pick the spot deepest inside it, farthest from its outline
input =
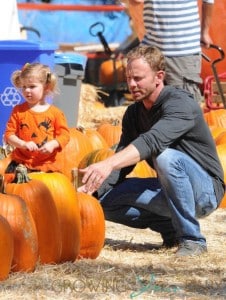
(131, 266)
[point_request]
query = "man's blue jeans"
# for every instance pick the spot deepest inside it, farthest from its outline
(169, 204)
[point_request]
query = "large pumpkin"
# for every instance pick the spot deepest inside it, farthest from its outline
(92, 226)
(6, 248)
(25, 239)
(65, 198)
(41, 204)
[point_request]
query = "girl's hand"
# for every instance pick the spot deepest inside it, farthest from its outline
(30, 146)
(49, 147)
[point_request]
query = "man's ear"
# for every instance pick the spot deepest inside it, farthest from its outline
(160, 76)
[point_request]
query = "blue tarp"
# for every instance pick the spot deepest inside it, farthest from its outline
(73, 26)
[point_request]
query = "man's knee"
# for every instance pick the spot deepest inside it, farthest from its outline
(166, 159)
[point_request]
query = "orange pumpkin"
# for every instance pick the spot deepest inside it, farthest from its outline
(112, 72)
(41, 204)
(111, 132)
(216, 118)
(25, 239)
(92, 226)
(142, 170)
(93, 157)
(70, 156)
(96, 139)
(216, 131)
(222, 156)
(221, 138)
(6, 248)
(66, 202)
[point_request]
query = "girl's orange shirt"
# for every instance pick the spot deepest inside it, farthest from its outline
(39, 127)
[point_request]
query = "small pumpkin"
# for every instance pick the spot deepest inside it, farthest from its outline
(111, 132)
(6, 248)
(221, 138)
(216, 131)
(96, 139)
(222, 156)
(92, 226)
(112, 72)
(70, 156)
(42, 206)
(93, 157)
(216, 118)
(142, 170)
(66, 202)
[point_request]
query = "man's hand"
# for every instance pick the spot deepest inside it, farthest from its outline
(206, 40)
(94, 176)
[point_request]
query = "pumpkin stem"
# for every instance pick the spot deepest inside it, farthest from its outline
(74, 178)
(2, 186)
(80, 128)
(116, 122)
(21, 175)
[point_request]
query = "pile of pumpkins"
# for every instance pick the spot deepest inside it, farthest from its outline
(43, 219)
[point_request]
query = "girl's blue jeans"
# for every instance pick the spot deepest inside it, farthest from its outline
(170, 204)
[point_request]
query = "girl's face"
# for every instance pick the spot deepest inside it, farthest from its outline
(33, 91)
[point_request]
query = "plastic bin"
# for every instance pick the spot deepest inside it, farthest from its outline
(13, 55)
(70, 68)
